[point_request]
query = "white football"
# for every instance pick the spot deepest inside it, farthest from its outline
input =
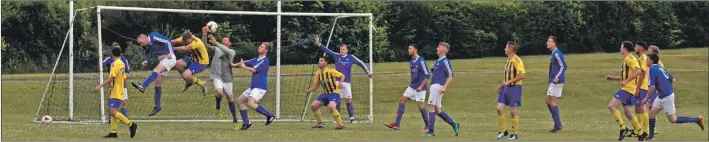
(46, 119)
(212, 26)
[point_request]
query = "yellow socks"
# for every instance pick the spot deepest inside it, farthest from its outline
(619, 118)
(123, 119)
(646, 121)
(338, 118)
(501, 120)
(114, 125)
(636, 125)
(197, 81)
(318, 115)
(515, 125)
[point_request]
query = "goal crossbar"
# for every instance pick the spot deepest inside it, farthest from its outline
(231, 12)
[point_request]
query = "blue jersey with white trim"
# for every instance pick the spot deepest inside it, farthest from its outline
(343, 64)
(259, 78)
(441, 71)
(158, 45)
(419, 72)
(661, 80)
(557, 67)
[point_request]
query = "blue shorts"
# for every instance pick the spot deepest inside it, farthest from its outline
(326, 98)
(638, 100)
(625, 97)
(194, 67)
(511, 96)
(114, 103)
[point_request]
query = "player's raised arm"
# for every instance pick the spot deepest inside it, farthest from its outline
(325, 49)
(364, 66)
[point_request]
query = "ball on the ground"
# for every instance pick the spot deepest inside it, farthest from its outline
(46, 119)
(212, 26)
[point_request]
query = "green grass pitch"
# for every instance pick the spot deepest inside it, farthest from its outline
(470, 100)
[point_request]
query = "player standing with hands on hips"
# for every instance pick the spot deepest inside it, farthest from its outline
(343, 64)
(442, 77)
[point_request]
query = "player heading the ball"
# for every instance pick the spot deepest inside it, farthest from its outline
(159, 46)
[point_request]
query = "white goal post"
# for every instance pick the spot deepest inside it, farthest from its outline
(278, 14)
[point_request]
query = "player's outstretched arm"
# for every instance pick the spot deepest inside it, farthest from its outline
(185, 48)
(325, 49)
(363, 66)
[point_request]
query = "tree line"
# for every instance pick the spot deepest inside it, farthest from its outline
(33, 31)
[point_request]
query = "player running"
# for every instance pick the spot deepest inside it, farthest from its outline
(331, 92)
(557, 77)
(250, 98)
(221, 73)
(343, 64)
(419, 76)
(116, 79)
(195, 64)
(510, 91)
(442, 77)
(108, 62)
(160, 46)
(663, 82)
(630, 70)
(653, 49)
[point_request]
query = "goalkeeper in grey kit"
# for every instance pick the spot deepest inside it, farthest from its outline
(220, 72)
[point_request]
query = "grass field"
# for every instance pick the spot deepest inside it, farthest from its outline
(470, 100)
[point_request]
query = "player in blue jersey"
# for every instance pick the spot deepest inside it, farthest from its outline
(441, 78)
(663, 82)
(343, 64)
(249, 99)
(108, 62)
(557, 77)
(416, 90)
(159, 46)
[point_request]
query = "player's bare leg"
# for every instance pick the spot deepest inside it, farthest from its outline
(315, 107)
(613, 107)
(124, 107)
(551, 103)
(501, 121)
(515, 123)
(243, 110)
(336, 114)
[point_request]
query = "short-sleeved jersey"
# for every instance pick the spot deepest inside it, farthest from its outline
(260, 77)
(642, 62)
(328, 80)
(514, 67)
(344, 64)
(158, 45)
(662, 80)
(419, 72)
(441, 71)
(119, 76)
(109, 61)
(199, 51)
(629, 66)
(557, 67)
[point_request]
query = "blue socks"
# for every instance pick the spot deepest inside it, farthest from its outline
(150, 79)
(350, 109)
(652, 127)
(686, 119)
(124, 111)
(399, 112)
(157, 96)
(232, 109)
(219, 102)
(263, 111)
(424, 115)
(245, 117)
(446, 118)
(431, 121)
(555, 115)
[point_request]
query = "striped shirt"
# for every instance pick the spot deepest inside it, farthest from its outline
(327, 78)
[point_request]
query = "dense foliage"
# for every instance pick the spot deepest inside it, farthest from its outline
(33, 31)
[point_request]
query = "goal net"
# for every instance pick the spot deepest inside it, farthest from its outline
(69, 97)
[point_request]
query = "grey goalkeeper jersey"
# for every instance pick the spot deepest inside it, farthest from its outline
(221, 63)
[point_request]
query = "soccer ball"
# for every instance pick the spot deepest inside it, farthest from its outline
(212, 26)
(46, 119)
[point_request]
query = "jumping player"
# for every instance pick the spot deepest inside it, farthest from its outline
(419, 76)
(442, 77)
(510, 91)
(116, 79)
(326, 77)
(195, 64)
(343, 64)
(160, 46)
